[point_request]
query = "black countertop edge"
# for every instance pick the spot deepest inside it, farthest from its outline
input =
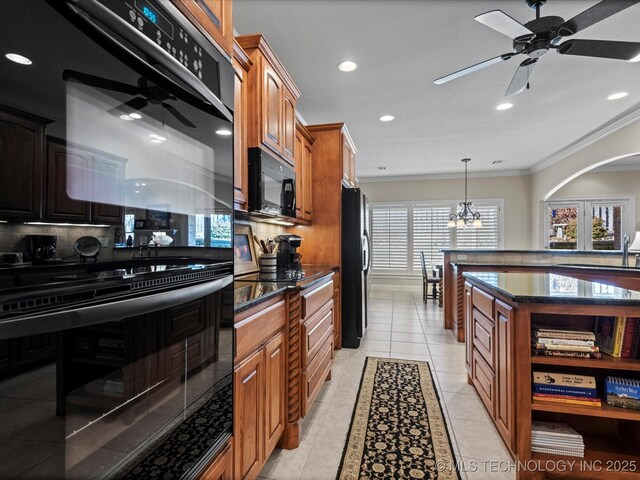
(263, 291)
(553, 252)
(555, 300)
(633, 272)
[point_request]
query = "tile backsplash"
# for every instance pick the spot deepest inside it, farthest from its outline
(12, 237)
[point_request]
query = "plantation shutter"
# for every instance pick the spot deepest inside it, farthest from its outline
(389, 239)
(487, 237)
(430, 235)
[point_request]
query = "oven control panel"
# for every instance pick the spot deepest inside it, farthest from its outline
(153, 20)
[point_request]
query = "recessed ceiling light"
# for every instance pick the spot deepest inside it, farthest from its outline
(347, 66)
(616, 96)
(635, 59)
(137, 191)
(14, 57)
(386, 118)
(224, 132)
(135, 115)
(128, 118)
(504, 106)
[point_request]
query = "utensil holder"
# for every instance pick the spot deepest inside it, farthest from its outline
(268, 263)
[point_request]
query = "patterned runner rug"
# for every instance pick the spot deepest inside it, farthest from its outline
(398, 428)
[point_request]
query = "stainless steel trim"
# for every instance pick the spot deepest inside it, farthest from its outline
(96, 10)
(109, 311)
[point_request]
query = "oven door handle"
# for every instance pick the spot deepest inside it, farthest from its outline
(109, 311)
(91, 10)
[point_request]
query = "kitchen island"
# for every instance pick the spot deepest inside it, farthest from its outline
(499, 309)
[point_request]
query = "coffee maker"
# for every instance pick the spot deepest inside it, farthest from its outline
(40, 248)
(288, 258)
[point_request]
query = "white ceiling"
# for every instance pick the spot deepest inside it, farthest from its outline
(402, 46)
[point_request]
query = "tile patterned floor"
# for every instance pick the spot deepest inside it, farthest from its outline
(401, 326)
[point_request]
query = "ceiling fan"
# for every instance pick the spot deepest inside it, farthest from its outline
(535, 38)
(149, 94)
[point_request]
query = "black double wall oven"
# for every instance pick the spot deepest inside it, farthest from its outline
(115, 122)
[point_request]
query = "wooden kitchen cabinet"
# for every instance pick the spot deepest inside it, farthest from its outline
(241, 66)
(272, 100)
(348, 162)
(303, 153)
(213, 17)
(22, 161)
(505, 370)
(259, 385)
(108, 183)
(222, 467)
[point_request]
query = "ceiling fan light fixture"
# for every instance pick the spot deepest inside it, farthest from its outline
(617, 96)
(504, 106)
(127, 118)
(135, 116)
(347, 66)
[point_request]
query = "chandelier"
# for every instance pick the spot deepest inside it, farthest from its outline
(467, 216)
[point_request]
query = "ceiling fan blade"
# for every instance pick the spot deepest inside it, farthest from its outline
(521, 78)
(178, 115)
(473, 68)
(129, 106)
(503, 23)
(99, 82)
(600, 48)
(595, 14)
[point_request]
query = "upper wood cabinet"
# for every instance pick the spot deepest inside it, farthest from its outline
(303, 152)
(348, 160)
(68, 177)
(241, 66)
(214, 17)
(22, 159)
(272, 99)
(108, 182)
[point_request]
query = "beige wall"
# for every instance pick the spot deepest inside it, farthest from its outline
(621, 183)
(515, 190)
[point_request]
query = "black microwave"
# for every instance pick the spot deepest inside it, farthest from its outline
(272, 185)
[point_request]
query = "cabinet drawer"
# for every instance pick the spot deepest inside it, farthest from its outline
(484, 337)
(482, 302)
(256, 329)
(315, 331)
(484, 381)
(314, 300)
(313, 377)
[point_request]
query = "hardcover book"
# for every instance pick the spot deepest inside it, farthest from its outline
(564, 379)
(623, 392)
(566, 348)
(628, 337)
(556, 353)
(562, 332)
(565, 341)
(607, 331)
(561, 390)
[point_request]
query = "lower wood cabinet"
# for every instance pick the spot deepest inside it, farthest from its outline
(490, 357)
(222, 466)
(259, 386)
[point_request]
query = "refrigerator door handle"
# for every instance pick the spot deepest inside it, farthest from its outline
(367, 263)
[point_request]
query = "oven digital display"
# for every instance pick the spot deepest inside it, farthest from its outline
(153, 14)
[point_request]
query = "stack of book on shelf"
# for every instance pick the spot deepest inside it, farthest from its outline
(623, 392)
(565, 388)
(618, 336)
(556, 438)
(564, 342)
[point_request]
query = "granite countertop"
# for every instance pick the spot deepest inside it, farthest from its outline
(250, 290)
(553, 288)
(630, 271)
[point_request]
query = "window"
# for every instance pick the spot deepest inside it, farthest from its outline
(593, 224)
(399, 232)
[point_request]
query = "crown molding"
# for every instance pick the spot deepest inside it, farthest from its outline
(594, 136)
(443, 176)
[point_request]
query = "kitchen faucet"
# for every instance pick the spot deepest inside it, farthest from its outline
(625, 250)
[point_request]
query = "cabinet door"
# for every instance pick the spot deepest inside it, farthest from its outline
(271, 108)
(108, 183)
(288, 125)
(222, 467)
(468, 325)
(68, 183)
(275, 398)
(299, 169)
(352, 168)
(240, 159)
(22, 165)
(214, 16)
(307, 182)
(504, 372)
(248, 417)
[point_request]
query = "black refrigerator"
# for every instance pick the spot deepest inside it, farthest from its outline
(355, 265)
